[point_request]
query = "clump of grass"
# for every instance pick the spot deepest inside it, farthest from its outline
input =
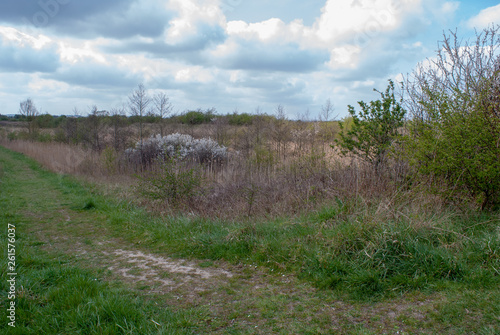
(89, 204)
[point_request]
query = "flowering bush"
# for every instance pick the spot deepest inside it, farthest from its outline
(177, 146)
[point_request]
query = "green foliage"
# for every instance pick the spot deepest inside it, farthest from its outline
(461, 148)
(455, 133)
(263, 157)
(243, 119)
(44, 137)
(175, 182)
(109, 158)
(197, 117)
(44, 121)
(373, 129)
(11, 136)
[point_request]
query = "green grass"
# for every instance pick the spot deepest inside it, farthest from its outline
(53, 296)
(448, 262)
(356, 254)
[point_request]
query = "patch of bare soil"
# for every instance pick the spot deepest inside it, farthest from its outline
(166, 274)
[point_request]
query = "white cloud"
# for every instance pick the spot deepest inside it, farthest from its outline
(263, 31)
(346, 20)
(190, 15)
(344, 57)
(196, 74)
(450, 7)
(485, 17)
(22, 39)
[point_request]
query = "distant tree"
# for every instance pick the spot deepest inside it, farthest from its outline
(118, 125)
(139, 101)
(29, 111)
(327, 111)
(327, 128)
(163, 108)
(93, 129)
(44, 121)
(219, 129)
(373, 129)
(280, 130)
(71, 128)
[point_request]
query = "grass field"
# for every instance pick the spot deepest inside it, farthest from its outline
(88, 263)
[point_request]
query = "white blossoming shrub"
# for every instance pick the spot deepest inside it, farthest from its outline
(179, 147)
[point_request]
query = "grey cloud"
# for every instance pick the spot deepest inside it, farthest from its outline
(281, 58)
(133, 19)
(14, 58)
(17, 11)
(206, 36)
(14, 9)
(271, 89)
(93, 75)
(87, 19)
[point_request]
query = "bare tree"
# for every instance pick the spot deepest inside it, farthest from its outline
(327, 111)
(71, 127)
(163, 108)
(119, 132)
(326, 127)
(219, 129)
(28, 109)
(138, 104)
(93, 129)
(281, 131)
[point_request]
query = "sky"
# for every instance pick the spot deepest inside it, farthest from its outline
(231, 55)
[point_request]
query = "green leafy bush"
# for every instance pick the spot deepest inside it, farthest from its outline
(454, 136)
(197, 117)
(243, 119)
(373, 129)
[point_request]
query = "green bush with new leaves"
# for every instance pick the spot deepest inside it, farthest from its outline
(454, 135)
(373, 129)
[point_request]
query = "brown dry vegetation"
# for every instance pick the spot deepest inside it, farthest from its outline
(275, 168)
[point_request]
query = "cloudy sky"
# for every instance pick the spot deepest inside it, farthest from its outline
(227, 54)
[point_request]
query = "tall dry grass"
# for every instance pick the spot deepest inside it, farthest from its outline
(254, 182)
(57, 157)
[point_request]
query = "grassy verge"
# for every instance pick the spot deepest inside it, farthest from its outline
(52, 295)
(434, 273)
(352, 248)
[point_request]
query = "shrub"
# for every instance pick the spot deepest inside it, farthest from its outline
(176, 182)
(455, 131)
(180, 147)
(197, 117)
(243, 119)
(373, 129)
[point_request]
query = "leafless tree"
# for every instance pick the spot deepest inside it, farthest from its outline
(163, 108)
(327, 111)
(28, 109)
(94, 129)
(281, 131)
(119, 132)
(219, 130)
(139, 101)
(327, 128)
